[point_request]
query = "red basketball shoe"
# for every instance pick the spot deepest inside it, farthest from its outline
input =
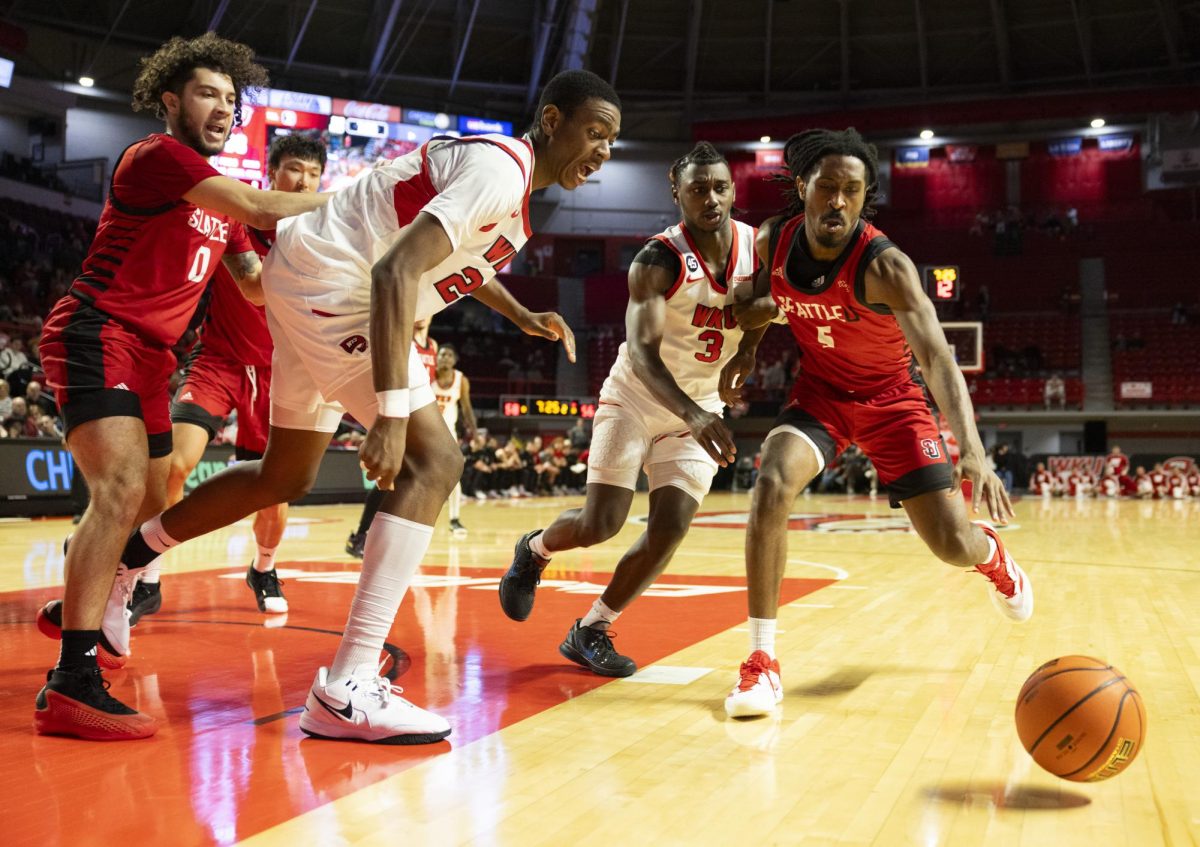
(76, 702)
(1011, 591)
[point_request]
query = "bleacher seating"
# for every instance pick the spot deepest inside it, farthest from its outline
(1148, 347)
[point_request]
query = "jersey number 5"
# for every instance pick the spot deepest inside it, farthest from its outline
(715, 340)
(825, 336)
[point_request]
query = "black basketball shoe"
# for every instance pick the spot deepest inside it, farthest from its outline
(76, 702)
(268, 591)
(355, 544)
(521, 580)
(146, 600)
(592, 648)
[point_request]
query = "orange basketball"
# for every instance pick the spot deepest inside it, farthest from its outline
(1081, 719)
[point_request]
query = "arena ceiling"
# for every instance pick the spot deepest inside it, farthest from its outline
(673, 61)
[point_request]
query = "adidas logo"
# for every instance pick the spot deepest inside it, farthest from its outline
(121, 386)
(777, 272)
(187, 395)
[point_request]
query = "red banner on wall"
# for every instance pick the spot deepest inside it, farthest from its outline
(768, 160)
(961, 153)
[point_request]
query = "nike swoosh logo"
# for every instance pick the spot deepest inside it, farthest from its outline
(347, 712)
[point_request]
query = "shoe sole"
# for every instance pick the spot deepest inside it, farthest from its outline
(407, 739)
(64, 716)
(47, 627)
(741, 709)
(569, 652)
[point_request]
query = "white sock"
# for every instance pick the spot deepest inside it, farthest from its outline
(600, 616)
(151, 572)
(156, 537)
(264, 560)
(394, 550)
(538, 548)
(455, 497)
(762, 635)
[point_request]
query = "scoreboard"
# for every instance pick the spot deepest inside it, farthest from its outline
(943, 283)
(514, 406)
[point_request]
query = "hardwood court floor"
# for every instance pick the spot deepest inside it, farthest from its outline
(897, 728)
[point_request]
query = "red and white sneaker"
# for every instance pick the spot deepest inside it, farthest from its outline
(1011, 591)
(49, 624)
(758, 690)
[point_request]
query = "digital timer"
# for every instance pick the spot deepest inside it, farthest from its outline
(943, 282)
(575, 407)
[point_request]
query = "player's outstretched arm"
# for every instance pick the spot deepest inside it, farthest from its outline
(422, 245)
(252, 206)
(645, 320)
(549, 325)
(892, 280)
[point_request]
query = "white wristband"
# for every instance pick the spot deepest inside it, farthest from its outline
(393, 403)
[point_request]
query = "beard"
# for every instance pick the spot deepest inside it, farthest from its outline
(192, 134)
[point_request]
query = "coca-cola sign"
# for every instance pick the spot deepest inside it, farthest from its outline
(366, 111)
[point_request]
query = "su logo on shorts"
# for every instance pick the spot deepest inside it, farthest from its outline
(354, 344)
(931, 448)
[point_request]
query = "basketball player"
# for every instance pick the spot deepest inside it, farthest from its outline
(343, 287)
(452, 391)
(1158, 479)
(659, 407)
(231, 371)
(1042, 481)
(1143, 484)
(106, 349)
(427, 351)
(856, 308)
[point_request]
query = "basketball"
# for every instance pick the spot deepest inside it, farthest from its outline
(1081, 719)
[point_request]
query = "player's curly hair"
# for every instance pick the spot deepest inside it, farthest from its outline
(702, 154)
(299, 146)
(804, 151)
(171, 66)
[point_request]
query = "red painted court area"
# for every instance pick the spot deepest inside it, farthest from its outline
(231, 761)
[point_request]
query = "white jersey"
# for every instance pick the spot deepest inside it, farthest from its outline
(477, 187)
(700, 334)
(447, 399)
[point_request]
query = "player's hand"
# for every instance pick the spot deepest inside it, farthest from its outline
(986, 487)
(382, 452)
(751, 314)
(712, 434)
(552, 326)
(733, 378)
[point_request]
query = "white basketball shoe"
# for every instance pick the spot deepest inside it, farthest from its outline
(115, 623)
(758, 690)
(367, 707)
(1010, 589)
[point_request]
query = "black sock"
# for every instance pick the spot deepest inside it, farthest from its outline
(137, 553)
(374, 501)
(78, 648)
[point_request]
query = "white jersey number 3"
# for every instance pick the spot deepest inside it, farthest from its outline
(825, 336)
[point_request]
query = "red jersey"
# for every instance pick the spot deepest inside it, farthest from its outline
(235, 328)
(1159, 480)
(1117, 464)
(854, 346)
(1042, 482)
(153, 251)
(428, 355)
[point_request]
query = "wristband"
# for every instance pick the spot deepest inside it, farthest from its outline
(393, 403)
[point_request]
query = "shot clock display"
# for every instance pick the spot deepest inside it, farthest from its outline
(512, 406)
(943, 282)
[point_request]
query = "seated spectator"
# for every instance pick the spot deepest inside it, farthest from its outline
(1179, 314)
(34, 396)
(5, 400)
(477, 469)
(1055, 392)
(580, 439)
(13, 360)
(26, 426)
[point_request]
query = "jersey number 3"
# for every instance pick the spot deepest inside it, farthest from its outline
(715, 340)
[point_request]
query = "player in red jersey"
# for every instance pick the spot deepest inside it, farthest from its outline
(1118, 463)
(1143, 485)
(106, 349)
(1160, 481)
(856, 308)
(231, 371)
(427, 350)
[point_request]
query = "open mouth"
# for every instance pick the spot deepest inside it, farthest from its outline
(584, 172)
(217, 129)
(833, 224)
(711, 217)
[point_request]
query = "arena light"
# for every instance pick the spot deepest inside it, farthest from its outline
(926, 134)
(86, 81)
(1097, 123)
(765, 139)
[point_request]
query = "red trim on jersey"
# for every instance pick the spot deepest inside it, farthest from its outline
(527, 177)
(682, 269)
(410, 196)
(321, 314)
(687, 236)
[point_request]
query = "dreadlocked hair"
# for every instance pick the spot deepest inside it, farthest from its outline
(804, 152)
(702, 154)
(171, 66)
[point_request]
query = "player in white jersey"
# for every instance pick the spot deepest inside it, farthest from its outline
(452, 391)
(659, 407)
(343, 291)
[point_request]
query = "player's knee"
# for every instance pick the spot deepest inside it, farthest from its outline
(598, 525)
(774, 490)
(284, 483)
(118, 498)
